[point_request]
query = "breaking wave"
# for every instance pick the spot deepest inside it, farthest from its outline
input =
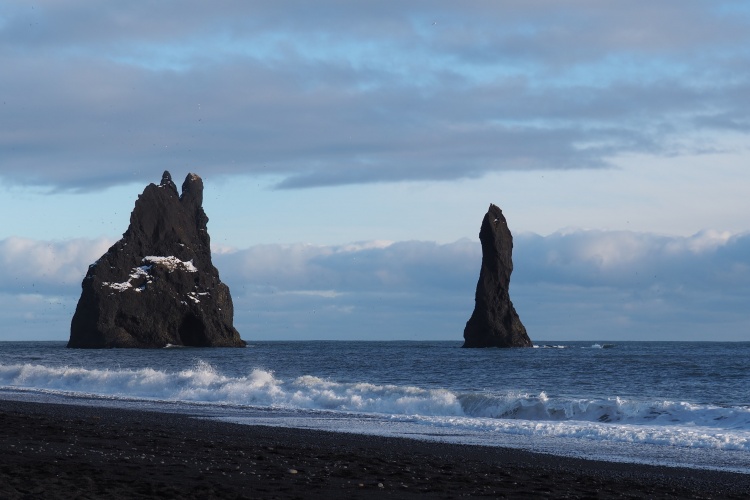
(260, 388)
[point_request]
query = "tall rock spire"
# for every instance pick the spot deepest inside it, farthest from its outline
(494, 322)
(157, 286)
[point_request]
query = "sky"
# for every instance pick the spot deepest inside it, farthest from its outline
(349, 151)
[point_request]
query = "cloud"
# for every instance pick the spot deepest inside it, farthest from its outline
(95, 95)
(634, 286)
(359, 267)
(40, 284)
(709, 259)
(569, 285)
(35, 316)
(32, 267)
(591, 285)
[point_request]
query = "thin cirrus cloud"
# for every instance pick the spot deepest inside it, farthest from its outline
(568, 285)
(336, 93)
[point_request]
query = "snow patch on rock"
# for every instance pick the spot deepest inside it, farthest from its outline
(171, 262)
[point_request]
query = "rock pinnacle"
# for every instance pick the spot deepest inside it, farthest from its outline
(157, 286)
(494, 322)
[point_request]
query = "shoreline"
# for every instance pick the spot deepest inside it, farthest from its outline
(68, 451)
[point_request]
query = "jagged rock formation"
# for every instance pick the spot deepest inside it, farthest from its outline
(494, 322)
(157, 286)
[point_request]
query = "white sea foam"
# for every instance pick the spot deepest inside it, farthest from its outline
(686, 436)
(671, 423)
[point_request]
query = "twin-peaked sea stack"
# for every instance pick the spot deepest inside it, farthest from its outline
(494, 322)
(157, 286)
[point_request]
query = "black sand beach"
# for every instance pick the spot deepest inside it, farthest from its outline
(61, 451)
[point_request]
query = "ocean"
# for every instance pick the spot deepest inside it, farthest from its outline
(668, 403)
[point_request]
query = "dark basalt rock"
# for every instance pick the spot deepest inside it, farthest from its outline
(494, 322)
(157, 286)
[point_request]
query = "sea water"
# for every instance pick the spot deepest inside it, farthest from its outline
(669, 403)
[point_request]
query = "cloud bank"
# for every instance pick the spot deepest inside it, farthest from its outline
(99, 94)
(47, 267)
(591, 285)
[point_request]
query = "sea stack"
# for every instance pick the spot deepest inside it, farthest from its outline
(494, 322)
(157, 286)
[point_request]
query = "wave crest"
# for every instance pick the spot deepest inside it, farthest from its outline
(202, 383)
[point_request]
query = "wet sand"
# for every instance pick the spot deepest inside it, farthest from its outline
(62, 451)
